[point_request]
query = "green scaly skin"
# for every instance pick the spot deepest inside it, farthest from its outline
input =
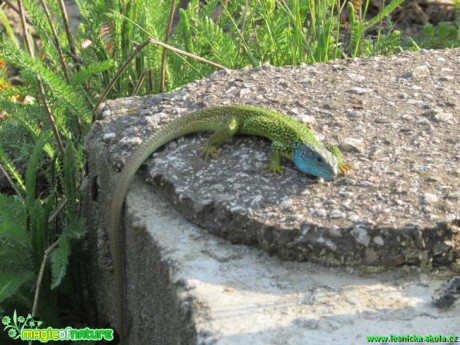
(285, 133)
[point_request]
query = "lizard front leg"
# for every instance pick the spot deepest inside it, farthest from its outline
(277, 150)
(342, 166)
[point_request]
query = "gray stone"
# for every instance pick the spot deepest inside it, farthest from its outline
(421, 72)
(352, 145)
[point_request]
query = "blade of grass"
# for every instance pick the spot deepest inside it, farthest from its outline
(163, 54)
(383, 13)
(7, 27)
(245, 45)
(65, 20)
(57, 44)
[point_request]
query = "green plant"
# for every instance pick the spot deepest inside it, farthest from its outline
(457, 18)
(443, 35)
(40, 219)
(60, 85)
(28, 224)
(387, 40)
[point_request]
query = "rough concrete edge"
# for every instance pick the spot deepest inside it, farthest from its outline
(166, 303)
(424, 247)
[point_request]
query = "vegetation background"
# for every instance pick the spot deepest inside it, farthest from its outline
(53, 75)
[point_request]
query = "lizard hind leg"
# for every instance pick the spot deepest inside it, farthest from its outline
(228, 129)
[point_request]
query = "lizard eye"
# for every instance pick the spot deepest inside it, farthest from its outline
(319, 159)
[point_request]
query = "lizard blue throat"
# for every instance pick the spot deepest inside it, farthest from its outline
(316, 161)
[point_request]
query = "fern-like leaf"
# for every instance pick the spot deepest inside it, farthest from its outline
(10, 260)
(70, 180)
(75, 229)
(37, 210)
(9, 166)
(356, 31)
(59, 261)
(12, 221)
(32, 169)
(383, 14)
(59, 91)
(185, 34)
(86, 73)
(11, 282)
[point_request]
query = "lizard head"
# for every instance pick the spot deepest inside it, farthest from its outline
(317, 161)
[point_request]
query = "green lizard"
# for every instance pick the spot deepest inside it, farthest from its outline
(290, 139)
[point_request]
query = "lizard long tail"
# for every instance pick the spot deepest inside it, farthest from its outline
(198, 121)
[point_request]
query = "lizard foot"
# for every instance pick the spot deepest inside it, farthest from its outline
(344, 168)
(209, 152)
(275, 169)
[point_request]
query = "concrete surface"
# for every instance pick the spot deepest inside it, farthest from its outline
(240, 295)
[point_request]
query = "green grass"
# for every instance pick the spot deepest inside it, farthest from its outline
(63, 82)
(444, 35)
